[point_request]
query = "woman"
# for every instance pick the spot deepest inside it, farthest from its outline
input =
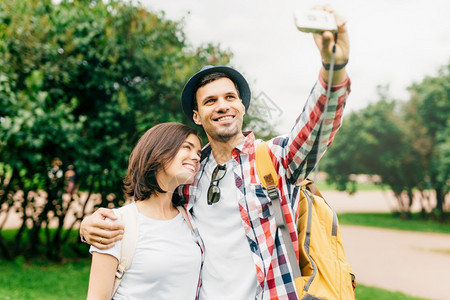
(168, 256)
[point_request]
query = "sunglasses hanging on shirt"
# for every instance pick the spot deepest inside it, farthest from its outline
(214, 190)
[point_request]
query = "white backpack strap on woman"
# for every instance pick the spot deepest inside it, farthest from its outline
(129, 214)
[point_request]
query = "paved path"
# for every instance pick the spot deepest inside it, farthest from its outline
(364, 201)
(410, 262)
(414, 263)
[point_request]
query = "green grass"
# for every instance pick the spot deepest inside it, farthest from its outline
(369, 293)
(22, 281)
(324, 186)
(41, 280)
(388, 220)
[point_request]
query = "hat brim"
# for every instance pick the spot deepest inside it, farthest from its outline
(189, 90)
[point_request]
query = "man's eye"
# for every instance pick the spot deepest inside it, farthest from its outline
(209, 101)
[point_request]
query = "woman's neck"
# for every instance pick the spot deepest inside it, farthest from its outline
(158, 207)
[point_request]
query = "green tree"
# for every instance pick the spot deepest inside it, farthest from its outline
(432, 96)
(373, 141)
(406, 144)
(80, 81)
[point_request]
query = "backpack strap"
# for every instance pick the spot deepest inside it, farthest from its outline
(129, 215)
(311, 186)
(269, 179)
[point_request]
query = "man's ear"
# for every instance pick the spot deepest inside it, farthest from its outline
(196, 118)
(243, 107)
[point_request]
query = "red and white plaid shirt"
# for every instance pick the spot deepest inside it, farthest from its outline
(295, 156)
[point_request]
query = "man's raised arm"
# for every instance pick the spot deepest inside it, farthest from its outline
(315, 128)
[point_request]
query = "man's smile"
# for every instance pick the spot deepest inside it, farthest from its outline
(224, 118)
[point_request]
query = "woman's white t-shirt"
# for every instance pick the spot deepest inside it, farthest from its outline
(166, 263)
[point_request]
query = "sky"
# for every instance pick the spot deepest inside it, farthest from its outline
(392, 42)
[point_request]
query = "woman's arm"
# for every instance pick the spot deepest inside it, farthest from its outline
(101, 279)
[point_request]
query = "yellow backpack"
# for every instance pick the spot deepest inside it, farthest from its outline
(322, 271)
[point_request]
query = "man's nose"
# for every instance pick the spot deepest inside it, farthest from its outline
(222, 104)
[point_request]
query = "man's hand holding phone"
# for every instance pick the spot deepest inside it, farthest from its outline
(330, 35)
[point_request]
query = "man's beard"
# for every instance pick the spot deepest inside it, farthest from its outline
(225, 135)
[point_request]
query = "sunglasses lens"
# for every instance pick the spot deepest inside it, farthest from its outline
(213, 194)
(214, 191)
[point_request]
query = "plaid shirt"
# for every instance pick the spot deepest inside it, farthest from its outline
(295, 156)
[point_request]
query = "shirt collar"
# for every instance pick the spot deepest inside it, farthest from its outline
(245, 147)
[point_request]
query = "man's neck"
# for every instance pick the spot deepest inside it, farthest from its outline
(222, 150)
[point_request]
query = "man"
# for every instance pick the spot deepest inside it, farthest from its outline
(245, 257)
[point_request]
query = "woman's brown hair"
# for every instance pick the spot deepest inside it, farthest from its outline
(152, 153)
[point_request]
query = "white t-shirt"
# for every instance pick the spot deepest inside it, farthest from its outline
(166, 263)
(228, 270)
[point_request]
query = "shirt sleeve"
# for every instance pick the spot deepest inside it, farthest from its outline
(299, 151)
(114, 250)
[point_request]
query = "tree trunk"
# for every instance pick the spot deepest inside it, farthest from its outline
(4, 248)
(440, 197)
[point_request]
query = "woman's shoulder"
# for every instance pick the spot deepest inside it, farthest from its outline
(126, 209)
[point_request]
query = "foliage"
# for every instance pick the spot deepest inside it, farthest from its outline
(405, 144)
(369, 142)
(80, 82)
(433, 100)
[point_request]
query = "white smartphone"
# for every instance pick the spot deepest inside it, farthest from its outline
(315, 21)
